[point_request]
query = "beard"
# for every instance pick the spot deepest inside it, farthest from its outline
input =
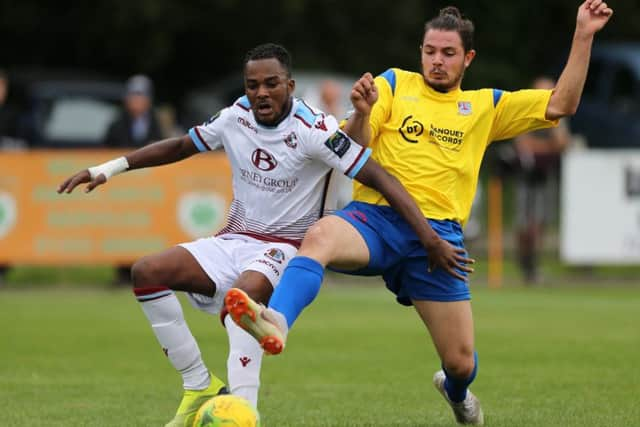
(443, 86)
(285, 109)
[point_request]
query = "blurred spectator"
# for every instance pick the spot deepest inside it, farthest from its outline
(6, 115)
(137, 125)
(331, 98)
(8, 118)
(169, 127)
(8, 131)
(331, 95)
(538, 155)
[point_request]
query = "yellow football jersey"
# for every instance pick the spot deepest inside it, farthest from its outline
(434, 142)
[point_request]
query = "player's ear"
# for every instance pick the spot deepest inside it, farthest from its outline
(292, 85)
(468, 57)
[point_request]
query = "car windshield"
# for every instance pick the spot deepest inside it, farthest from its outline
(78, 119)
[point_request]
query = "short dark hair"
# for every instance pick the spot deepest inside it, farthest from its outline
(267, 51)
(450, 19)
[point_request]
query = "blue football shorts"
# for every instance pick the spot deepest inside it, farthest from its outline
(398, 256)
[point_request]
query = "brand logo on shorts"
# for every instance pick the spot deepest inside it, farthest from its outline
(275, 254)
(263, 160)
(357, 215)
(245, 361)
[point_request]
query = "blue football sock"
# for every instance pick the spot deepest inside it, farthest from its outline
(298, 287)
(457, 388)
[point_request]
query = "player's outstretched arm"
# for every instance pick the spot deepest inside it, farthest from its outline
(441, 253)
(592, 17)
(159, 153)
(363, 95)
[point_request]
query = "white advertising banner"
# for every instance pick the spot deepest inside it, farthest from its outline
(600, 207)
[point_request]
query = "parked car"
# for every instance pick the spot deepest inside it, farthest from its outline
(63, 108)
(69, 113)
(202, 103)
(609, 112)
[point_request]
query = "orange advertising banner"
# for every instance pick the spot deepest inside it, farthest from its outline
(132, 215)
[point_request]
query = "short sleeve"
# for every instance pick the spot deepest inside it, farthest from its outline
(208, 136)
(386, 85)
(519, 112)
(336, 149)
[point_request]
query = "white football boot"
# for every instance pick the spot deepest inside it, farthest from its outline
(468, 411)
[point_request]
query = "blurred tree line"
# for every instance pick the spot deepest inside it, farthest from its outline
(183, 44)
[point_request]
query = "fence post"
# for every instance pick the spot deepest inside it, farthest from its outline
(495, 246)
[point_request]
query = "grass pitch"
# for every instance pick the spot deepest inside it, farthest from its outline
(548, 357)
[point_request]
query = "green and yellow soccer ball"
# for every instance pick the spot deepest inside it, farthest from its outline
(227, 411)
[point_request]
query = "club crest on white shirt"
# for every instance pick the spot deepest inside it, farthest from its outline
(291, 140)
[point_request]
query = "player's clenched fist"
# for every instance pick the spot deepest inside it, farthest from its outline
(364, 94)
(592, 16)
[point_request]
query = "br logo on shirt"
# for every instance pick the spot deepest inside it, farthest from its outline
(263, 160)
(411, 129)
(339, 143)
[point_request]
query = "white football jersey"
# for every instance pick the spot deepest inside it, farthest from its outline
(281, 174)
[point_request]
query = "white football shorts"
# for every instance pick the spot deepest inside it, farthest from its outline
(225, 257)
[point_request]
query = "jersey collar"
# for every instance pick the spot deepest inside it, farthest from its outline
(432, 93)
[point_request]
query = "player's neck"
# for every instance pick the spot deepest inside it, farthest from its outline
(285, 113)
(443, 90)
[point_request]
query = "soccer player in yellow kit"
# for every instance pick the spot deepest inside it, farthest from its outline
(432, 136)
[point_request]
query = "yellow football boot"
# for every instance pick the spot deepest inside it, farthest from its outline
(193, 399)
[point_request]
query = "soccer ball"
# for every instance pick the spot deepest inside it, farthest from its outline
(227, 411)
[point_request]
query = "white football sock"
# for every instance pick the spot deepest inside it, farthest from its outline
(167, 320)
(243, 364)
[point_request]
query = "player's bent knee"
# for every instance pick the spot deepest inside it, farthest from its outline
(319, 238)
(144, 273)
(460, 365)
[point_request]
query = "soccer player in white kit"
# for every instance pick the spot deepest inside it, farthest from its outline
(282, 154)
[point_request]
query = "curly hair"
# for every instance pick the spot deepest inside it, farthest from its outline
(267, 51)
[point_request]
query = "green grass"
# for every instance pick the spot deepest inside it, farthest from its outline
(552, 268)
(548, 357)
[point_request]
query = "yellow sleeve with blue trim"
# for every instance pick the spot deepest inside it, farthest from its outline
(385, 84)
(519, 112)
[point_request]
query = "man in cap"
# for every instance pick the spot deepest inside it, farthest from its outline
(137, 125)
